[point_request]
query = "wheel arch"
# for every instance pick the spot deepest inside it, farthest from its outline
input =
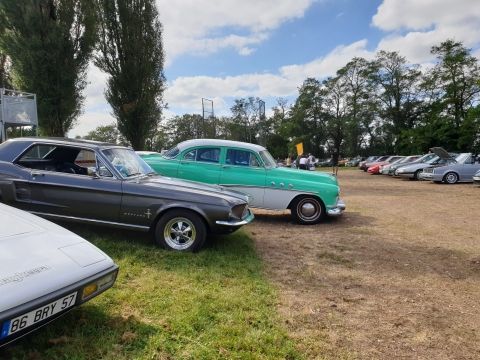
(299, 196)
(162, 211)
(450, 172)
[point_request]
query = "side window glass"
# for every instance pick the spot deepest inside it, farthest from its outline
(102, 169)
(241, 158)
(208, 155)
(37, 152)
(190, 156)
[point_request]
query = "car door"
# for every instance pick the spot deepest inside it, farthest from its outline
(242, 170)
(200, 164)
(73, 189)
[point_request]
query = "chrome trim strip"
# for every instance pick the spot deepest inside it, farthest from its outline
(270, 188)
(245, 221)
(338, 209)
(101, 222)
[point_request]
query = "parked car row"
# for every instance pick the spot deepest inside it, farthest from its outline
(46, 270)
(437, 166)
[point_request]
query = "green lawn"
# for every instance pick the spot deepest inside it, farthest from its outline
(215, 304)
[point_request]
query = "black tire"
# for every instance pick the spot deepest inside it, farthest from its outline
(180, 230)
(308, 210)
(450, 178)
(417, 174)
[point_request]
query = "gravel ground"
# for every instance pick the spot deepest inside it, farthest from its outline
(396, 277)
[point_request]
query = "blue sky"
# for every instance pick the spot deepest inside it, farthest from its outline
(227, 49)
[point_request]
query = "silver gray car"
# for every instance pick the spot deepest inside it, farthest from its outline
(421, 159)
(461, 170)
(476, 177)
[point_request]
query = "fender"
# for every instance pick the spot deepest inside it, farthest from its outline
(7, 191)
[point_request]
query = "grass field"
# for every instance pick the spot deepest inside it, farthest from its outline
(215, 304)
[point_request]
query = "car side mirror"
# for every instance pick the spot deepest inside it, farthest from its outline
(94, 174)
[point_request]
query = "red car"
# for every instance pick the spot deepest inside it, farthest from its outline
(375, 167)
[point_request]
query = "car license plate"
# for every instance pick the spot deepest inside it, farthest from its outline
(44, 312)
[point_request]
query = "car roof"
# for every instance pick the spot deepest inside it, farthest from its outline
(63, 141)
(216, 142)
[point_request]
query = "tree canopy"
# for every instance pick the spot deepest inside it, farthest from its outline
(130, 51)
(49, 44)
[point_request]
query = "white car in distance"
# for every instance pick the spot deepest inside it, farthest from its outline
(45, 271)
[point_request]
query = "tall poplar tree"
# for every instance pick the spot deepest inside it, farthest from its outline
(49, 43)
(130, 50)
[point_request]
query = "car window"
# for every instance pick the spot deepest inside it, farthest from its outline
(64, 159)
(171, 153)
(208, 155)
(241, 158)
(37, 152)
(190, 155)
(102, 169)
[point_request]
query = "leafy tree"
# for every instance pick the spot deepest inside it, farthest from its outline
(4, 63)
(336, 108)
(307, 121)
(49, 43)
(359, 87)
(397, 92)
(181, 128)
(450, 91)
(108, 134)
(245, 111)
(130, 50)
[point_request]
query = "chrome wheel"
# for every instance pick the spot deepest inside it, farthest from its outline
(451, 178)
(308, 210)
(179, 233)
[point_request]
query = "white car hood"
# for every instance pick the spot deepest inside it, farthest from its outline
(38, 257)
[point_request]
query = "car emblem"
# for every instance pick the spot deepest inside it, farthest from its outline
(148, 213)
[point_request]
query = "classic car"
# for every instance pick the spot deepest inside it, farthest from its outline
(375, 167)
(45, 271)
(385, 169)
(421, 159)
(476, 177)
(460, 169)
(249, 168)
(111, 185)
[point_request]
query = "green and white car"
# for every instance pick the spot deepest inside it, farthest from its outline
(252, 170)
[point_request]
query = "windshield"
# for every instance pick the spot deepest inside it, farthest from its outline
(268, 159)
(127, 162)
(463, 158)
(171, 153)
(432, 159)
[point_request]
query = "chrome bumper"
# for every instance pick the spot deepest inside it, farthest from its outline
(338, 209)
(236, 223)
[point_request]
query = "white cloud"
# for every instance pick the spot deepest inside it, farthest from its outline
(90, 120)
(418, 25)
(422, 14)
(186, 92)
(195, 26)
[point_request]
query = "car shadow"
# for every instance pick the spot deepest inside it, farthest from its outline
(87, 330)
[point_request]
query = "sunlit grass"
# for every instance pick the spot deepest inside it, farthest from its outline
(215, 304)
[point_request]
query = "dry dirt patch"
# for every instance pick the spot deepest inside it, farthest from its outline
(396, 277)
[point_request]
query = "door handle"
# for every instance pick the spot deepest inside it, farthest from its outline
(37, 173)
(272, 183)
(226, 166)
